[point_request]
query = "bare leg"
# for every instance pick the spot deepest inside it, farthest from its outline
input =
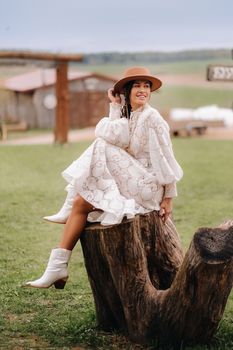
(75, 223)
(56, 272)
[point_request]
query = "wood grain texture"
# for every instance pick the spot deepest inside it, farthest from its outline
(62, 95)
(144, 286)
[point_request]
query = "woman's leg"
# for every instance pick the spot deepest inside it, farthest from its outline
(56, 272)
(75, 223)
(62, 215)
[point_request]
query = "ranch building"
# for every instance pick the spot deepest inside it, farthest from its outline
(31, 98)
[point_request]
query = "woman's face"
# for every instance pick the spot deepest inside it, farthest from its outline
(140, 94)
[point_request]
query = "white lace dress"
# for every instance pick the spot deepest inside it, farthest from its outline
(128, 169)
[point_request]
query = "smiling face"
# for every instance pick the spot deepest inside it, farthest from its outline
(140, 94)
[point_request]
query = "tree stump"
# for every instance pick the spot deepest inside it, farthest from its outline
(143, 285)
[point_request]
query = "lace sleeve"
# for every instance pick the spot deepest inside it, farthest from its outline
(114, 129)
(114, 111)
(163, 161)
(170, 190)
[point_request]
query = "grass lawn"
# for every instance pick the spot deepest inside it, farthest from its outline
(175, 67)
(171, 96)
(31, 187)
(190, 97)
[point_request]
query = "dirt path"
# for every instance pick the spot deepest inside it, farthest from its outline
(88, 134)
(43, 139)
(219, 134)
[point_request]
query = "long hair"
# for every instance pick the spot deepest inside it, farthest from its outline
(126, 109)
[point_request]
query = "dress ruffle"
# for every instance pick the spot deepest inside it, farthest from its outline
(113, 182)
(125, 171)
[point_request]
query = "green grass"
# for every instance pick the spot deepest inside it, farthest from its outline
(31, 187)
(175, 95)
(179, 67)
(191, 97)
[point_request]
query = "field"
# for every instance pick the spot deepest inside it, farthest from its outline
(31, 187)
(184, 82)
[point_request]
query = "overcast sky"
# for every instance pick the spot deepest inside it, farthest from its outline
(105, 25)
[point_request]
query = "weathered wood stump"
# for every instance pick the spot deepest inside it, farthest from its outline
(142, 284)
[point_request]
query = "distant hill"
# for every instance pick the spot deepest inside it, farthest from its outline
(147, 57)
(156, 56)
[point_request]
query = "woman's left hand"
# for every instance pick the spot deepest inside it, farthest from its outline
(165, 209)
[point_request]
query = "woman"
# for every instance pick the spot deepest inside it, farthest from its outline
(129, 169)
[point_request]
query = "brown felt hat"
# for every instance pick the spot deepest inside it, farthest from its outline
(137, 73)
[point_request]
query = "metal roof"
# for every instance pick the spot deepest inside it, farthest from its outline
(44, 77)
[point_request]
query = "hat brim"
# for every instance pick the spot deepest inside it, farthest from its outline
(119, 86)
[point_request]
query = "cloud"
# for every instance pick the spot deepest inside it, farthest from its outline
(123, 25)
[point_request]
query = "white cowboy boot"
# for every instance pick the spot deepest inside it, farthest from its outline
(63, 214)
(56, 272)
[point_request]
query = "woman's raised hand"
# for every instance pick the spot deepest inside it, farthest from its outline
(114, 97)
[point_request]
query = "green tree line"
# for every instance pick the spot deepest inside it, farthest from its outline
(156, 56)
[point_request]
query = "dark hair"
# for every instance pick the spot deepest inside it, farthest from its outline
(126, 109)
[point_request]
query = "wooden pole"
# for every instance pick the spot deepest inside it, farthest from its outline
(62, 94)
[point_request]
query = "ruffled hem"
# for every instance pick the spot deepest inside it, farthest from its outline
(107, 219)
(114, 182)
